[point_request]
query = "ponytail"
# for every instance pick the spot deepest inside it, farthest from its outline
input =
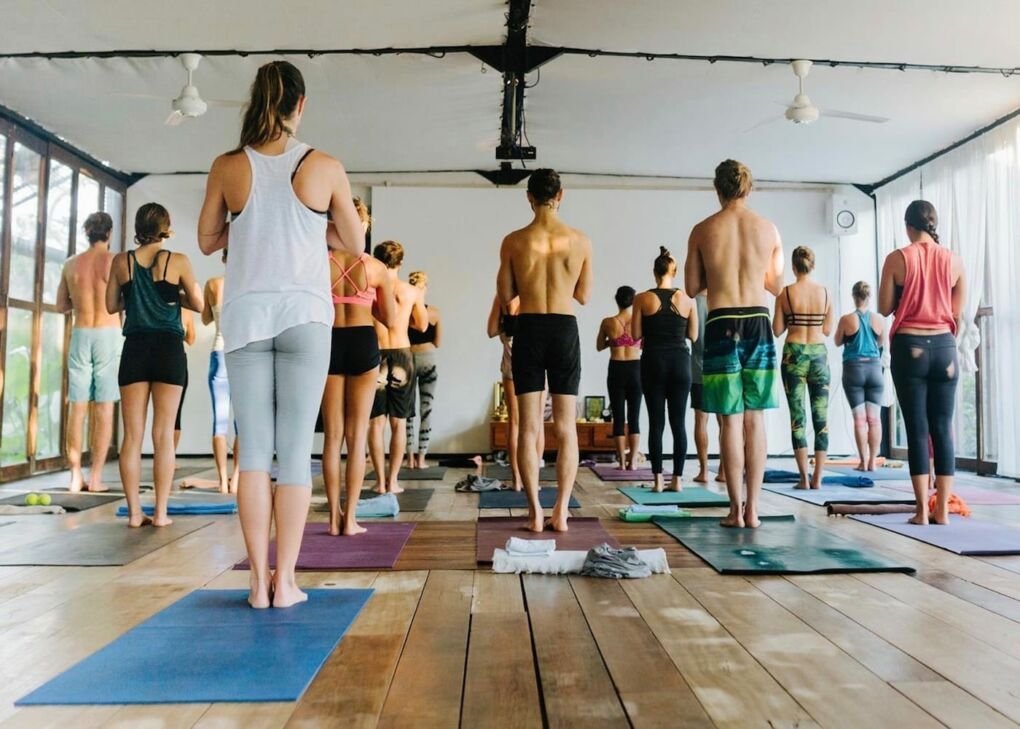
(922, 216)
(275, 92)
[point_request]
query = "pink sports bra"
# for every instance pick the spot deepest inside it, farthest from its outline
(361, 297)
(625, 340)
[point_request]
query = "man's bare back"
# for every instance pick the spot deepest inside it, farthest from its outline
(548, 266)
(409, 310)
(83, 288)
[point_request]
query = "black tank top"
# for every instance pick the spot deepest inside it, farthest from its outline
(666, 328)
(426, 337)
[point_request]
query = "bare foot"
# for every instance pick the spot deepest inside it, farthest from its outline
(139, 520)
(184, 484)
(720, 477)
(660, 485)
(162, 521)
(872, 465)
(558, 522)
(918, 520)
(353, 529)
(77, 481)
(940, 517)
(675, 484)
(518, 487)
(732, 521)
(860, 467)
(379, 488)
(396, 489)
(334, 524)
(802, 485)
(258, 594)
(535, 524)
(286, 595)
(702, 477)
(751, 520)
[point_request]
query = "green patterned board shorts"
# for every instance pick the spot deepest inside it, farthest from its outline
(806, 366)
(740, 361)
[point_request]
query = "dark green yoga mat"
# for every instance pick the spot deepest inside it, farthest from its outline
(691, 496)
(70, 501)
(505, 473)
(410, 500)
(433, 473)
(98, 545)
(518, 499)
(780, 546)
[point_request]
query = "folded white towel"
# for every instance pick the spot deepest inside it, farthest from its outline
(566, 562)
(530, 547)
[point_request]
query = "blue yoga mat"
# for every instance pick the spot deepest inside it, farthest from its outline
(189, 509)
(778, 476)
(210, 647)
(879, 474)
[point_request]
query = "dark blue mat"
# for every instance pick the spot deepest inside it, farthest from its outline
(210, 647)
(879, 474)
(778, 476)
(518, 500)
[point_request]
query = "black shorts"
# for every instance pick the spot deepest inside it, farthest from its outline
(394, 395)
(697, 402)
(153, 357)
(355, 351)
(546, 344)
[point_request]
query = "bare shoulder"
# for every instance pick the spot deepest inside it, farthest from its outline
(324, 163)
(580, 238)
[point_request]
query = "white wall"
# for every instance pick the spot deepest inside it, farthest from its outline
(454, 233)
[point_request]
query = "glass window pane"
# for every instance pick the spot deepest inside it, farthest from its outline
(17, 386)
(989, 390)
(51, 382)
(58, 227)
(24, 222)
(966, 416)
(88, 203)
(3, 177)
(114, 205)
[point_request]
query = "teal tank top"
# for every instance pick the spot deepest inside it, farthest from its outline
(863, 344)
(150, 305)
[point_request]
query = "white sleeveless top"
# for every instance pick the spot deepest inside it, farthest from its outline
(217, 344)
(278, 269)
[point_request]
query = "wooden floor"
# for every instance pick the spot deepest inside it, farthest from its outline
(441, 644)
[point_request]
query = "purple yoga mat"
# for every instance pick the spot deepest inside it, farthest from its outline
(963, 535)
(609, 472)
(378, 548)
(973, 495)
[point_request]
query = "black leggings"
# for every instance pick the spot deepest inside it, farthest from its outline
(624, 385)
(666, 380)
(925, 371)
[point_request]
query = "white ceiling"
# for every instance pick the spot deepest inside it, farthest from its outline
(600, 115)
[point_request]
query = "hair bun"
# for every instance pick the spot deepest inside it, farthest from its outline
(663, 251)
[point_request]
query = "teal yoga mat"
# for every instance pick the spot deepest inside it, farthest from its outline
(210, 647)
(191, 504)
(780, 546)
(691, 496)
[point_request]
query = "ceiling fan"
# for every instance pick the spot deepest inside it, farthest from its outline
(802, 111)
(188, 104)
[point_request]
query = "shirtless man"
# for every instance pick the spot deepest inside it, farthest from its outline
(548, 265)
(737, 256)
(394, 397)
(93, 357)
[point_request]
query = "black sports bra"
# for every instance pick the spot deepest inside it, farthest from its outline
(796, 319)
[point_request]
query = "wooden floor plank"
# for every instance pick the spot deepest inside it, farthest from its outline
(952, 705)
(172, 716)
(500, 685)
(734, 689)
(1007, 607)
(245, 716)
(439, 545)
(428, 683)
(576, 686)
(633, 655)
(351, 687)
(801, 660)
(497, 593)
(987, 674)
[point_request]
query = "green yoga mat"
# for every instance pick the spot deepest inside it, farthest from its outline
(633, 518)
(691, 496)
(780, 546)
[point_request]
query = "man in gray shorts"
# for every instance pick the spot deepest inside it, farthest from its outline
(93, 357)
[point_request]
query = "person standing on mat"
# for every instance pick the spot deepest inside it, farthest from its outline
(861, 334)
(94, 352)
(423, 350)
(548, 265)
(804, 312)
(219, 386)
(623, 380)
(277, 313)
(925, 286)
(188, 322)
(737, 256)
(664, 318)
(150, 285)
(697, 399)
(505, 326)
(394, 396)
(361, 289)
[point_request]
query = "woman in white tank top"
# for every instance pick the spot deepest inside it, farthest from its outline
(277, 312)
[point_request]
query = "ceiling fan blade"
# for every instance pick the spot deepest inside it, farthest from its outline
(174, 119)
(763, 123)
(837, 114)
(227, 103)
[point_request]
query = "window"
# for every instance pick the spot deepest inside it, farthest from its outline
(24, 222)
(88, 203)
(58, 227)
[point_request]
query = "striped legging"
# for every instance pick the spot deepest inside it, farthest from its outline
(426, 377)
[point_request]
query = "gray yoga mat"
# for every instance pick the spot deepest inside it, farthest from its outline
(70, 501)
(841, 494)
(98, 545)
(505, 473)
(410, 500)
(963, 535)
(519, 500)
(432, 473)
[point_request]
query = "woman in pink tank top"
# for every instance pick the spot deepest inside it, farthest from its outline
(924, 286)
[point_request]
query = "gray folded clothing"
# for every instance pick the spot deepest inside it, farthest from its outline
(607, 561)
(474, 482)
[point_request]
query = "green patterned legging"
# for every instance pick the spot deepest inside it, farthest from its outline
(807, 364)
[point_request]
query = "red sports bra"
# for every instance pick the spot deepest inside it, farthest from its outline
(361, 297)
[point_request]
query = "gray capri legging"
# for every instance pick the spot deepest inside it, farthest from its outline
(862, 382)
(277, 386)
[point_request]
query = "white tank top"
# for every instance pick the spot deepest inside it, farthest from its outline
(278, 269)
(218, 338)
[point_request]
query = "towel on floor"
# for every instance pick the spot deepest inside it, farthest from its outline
(565, 562)
(477, 483)
(613, 563)
(378, 506)
(653, 509)
(16, 510)
(530, 547)
(956, 504)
